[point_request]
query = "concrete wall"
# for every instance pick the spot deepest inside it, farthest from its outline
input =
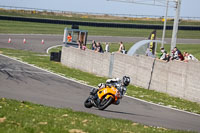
(138, 68)
(169, 77)
(87, 61)
(175, 78)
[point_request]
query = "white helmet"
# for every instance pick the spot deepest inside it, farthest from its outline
(101, 85)
(112, 80)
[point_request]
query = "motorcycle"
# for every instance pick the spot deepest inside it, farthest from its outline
(102, 98)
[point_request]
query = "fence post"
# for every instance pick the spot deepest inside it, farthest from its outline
(111, 65)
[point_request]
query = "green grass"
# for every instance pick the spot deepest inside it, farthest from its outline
(41, 28)
(92, 18)
(91, 79)
(25, 117)
(30, 28)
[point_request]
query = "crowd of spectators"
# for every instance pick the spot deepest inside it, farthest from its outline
(97, 47)
(176, 55)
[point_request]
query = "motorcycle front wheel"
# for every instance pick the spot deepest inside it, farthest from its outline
(105, 103)
(88, 103)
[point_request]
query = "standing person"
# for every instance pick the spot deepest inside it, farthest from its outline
(107, 48)
(94, 45)
(122, 48)
(69, 38)
(79, 44)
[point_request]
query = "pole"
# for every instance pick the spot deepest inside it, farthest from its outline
(165, 23)
(175, 27)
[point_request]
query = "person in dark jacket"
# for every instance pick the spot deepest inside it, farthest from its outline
(99, 48)
(176, 54)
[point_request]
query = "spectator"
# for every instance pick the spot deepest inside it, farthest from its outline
(107, 48)
(84, 47)
(122, 48)
(163, 54)
(149, 53)
(99, 48)
(79, 44)
(188, 57)
(167, 59)
(94, 45)
(69, 37)
(176, 54)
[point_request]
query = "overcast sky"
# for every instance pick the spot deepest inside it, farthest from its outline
(189, 8)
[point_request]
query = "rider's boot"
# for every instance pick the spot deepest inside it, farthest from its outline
(93, 91)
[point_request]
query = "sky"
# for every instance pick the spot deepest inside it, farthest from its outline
(189, 8)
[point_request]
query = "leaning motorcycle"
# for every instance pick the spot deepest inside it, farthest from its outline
(102, 98)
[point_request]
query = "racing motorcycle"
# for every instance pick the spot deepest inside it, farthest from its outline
(102, 98)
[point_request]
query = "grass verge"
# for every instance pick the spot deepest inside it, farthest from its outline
(42, 28)
(144, 94)
(25, 117)
(91, 18)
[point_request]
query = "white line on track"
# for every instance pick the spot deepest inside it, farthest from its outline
(47, 51)
(21, 71)
(70, 79)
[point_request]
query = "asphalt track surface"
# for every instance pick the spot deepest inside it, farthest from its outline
(33, 41)
(23, 82)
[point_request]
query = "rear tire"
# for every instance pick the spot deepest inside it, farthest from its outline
(105, 105)
(88, 103)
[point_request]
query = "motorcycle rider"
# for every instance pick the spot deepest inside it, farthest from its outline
(116, 82)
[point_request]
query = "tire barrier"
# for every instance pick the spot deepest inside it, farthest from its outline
(95, 24)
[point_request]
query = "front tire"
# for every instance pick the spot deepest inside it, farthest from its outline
(105, 103)
(88, 103)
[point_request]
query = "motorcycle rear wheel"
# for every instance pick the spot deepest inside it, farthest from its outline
(106, 103)
(88, 103)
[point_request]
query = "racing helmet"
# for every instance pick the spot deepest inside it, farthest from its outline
(101, 85)
(126, 80)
